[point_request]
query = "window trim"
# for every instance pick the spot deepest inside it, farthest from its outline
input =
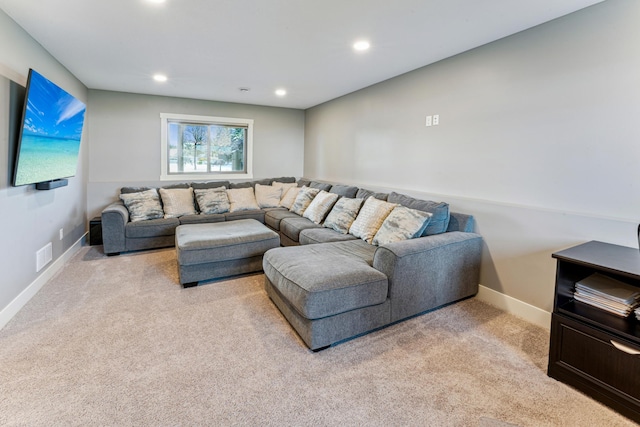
(208, 120)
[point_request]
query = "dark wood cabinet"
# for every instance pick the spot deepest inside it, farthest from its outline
(592, 350)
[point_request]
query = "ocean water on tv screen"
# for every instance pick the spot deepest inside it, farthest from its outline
(45, 158)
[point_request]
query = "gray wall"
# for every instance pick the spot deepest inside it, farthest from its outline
(29, 219)
(538, 138)
(124, 130)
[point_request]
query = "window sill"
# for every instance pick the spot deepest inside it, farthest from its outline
(205, 177)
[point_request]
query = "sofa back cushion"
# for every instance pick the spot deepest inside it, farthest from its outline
(212, 200)
(320, 185)
(343, 214)
(210, 184)
(370, 218)
(440, 210)
(365, 194)
(344, 190)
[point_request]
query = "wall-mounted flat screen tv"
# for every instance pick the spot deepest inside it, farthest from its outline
(50, 135)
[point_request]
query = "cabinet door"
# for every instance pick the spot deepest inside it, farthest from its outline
(587, 359)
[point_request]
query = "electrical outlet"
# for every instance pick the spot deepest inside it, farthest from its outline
(429, 121)
(436, 119)
(61, 233)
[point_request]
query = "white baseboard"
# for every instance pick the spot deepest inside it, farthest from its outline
(18, 302)
(516, 307)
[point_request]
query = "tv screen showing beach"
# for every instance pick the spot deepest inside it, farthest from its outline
(50, 135)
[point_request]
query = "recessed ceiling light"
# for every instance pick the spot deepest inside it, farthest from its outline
(160, 78)
(156, 1)
(361, 45)
(281, 92)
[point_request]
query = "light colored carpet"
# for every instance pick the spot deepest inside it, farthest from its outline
(116, 341)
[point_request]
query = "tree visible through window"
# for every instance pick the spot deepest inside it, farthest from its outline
(210, 145)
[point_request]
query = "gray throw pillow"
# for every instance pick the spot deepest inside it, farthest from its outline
(212, 200)
(402, 224)
(303, 200)
(440, 210)
(143, 205)
(343, 214)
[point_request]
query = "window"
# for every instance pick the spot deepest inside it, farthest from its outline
(202, 147)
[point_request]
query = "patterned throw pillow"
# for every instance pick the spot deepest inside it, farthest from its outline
(177, 202)
(303, 200)
(343, 214)
(242, 199)
(268, 196)
(320, 206)
(212, 200)
(289, 197)
(370, 218)
(402, 224)
(143, 205)
(440, 210)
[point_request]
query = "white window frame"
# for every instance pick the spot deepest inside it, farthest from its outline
(206, 120)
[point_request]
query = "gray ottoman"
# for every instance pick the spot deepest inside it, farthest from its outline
(212, 251)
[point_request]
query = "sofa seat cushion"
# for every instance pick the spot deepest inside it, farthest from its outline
(312, 236)
(151, 228)
(292, 226)
(202, 218)
(272, 217)
(324, 280)
(258, 215)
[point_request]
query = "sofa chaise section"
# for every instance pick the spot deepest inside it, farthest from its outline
(306, 282)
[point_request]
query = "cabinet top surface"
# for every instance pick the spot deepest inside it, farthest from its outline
(604, 255)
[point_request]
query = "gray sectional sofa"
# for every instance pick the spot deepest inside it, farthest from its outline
(120, 234)
(332, 286)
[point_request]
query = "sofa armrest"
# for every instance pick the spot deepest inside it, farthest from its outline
(431, 271)
(114, 219)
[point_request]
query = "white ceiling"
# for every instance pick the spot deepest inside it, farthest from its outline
(211, 48)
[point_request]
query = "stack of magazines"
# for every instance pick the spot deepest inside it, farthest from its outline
(608, 294)
(638, 313)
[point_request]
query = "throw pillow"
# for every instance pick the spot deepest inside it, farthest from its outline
(177, 202)
(303, 200)
(268, 196)
(212, 200)
(343, 214)
(320, 206)
(284, 185)
(370, 218)
(143, 205)
(440, 210)
(402, 224)
(242, 199)
(289, 197)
